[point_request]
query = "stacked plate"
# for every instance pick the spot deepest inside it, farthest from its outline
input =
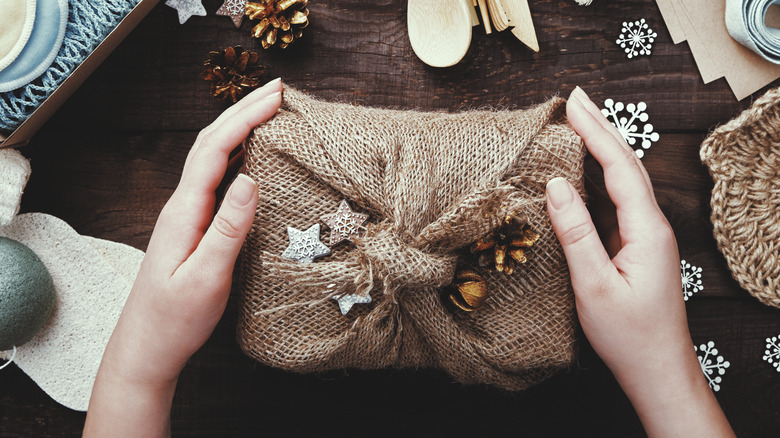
(31, 34)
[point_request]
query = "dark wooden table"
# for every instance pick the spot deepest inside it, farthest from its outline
(109, 159)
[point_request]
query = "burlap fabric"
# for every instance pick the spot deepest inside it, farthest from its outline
(432, 183)
(743, 157)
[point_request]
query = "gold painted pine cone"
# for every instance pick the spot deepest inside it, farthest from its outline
(281, 21)
(232, 73)
(468, 290)
(505, 248)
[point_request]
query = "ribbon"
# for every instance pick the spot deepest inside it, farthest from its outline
(746, 22)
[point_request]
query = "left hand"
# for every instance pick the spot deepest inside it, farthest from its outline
(183, 286)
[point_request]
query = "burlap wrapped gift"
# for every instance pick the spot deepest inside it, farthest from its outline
(432, 184)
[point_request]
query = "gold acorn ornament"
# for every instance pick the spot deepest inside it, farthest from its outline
(504, 248)
(232, 73)
(468, 290)
(281, 21)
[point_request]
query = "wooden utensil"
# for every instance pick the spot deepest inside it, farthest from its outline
(498, 15)
(439, 30)
(519, 15)
(471, 5)
(485, 16)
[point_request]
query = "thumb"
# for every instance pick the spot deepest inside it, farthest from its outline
(588, 260)
(219, 248)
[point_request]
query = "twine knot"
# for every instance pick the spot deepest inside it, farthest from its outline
(394, 262)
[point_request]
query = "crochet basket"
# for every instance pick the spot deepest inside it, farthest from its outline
(432, 183)
(743, 157)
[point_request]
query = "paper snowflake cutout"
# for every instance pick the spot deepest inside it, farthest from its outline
(691, 279)
(235, 9)
(187, 8)
(712, 371)
(347, 301)
(626, 125)
(344, 224)
(772, 353)
(636, 38)
(305, 246)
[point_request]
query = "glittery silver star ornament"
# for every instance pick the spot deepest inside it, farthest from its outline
(305, 246)
(187, 8)
(344, 224)
(347, 301)
(235, 9)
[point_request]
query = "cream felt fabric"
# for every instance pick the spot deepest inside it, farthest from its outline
(93, 278)
(14, 173)
(16, 24)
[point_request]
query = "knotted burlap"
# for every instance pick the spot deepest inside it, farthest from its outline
(432, 183)
(743, 157)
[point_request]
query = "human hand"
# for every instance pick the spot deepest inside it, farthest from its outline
(627, 290)
(184, 282)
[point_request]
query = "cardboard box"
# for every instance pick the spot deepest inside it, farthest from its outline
(29, 127)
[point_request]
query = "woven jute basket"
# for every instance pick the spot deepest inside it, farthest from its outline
(432, 184)
(743, 157)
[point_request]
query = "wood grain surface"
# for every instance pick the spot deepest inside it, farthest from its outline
(109, 159)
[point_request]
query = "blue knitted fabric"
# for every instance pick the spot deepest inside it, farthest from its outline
(89, 22)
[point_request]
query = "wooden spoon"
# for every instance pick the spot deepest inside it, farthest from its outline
(439, 30)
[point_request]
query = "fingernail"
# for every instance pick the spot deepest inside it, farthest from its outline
(272, 96)
(576, 98)
(559, 193)
(591, 107)
(582, 95)
(274, 81)
(242, 191)
(575, 94)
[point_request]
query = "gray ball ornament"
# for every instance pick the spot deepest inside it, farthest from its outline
(26, 294)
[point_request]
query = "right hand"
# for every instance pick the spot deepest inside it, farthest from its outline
(628, 291)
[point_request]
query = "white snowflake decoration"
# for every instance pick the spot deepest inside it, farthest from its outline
(772, 353)
(626, 125)
(305, 246)
(691, 279)
(235, 9)
(187, 8)
(636, 38)
(348, 300)
(344, 224)
(712, 371)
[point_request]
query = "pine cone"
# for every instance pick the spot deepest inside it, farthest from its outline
(281, 21)
(505, 247)
(468, 290)
(232, 72)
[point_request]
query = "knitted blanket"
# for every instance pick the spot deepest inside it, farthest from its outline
(14, 173)
(89, 22)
